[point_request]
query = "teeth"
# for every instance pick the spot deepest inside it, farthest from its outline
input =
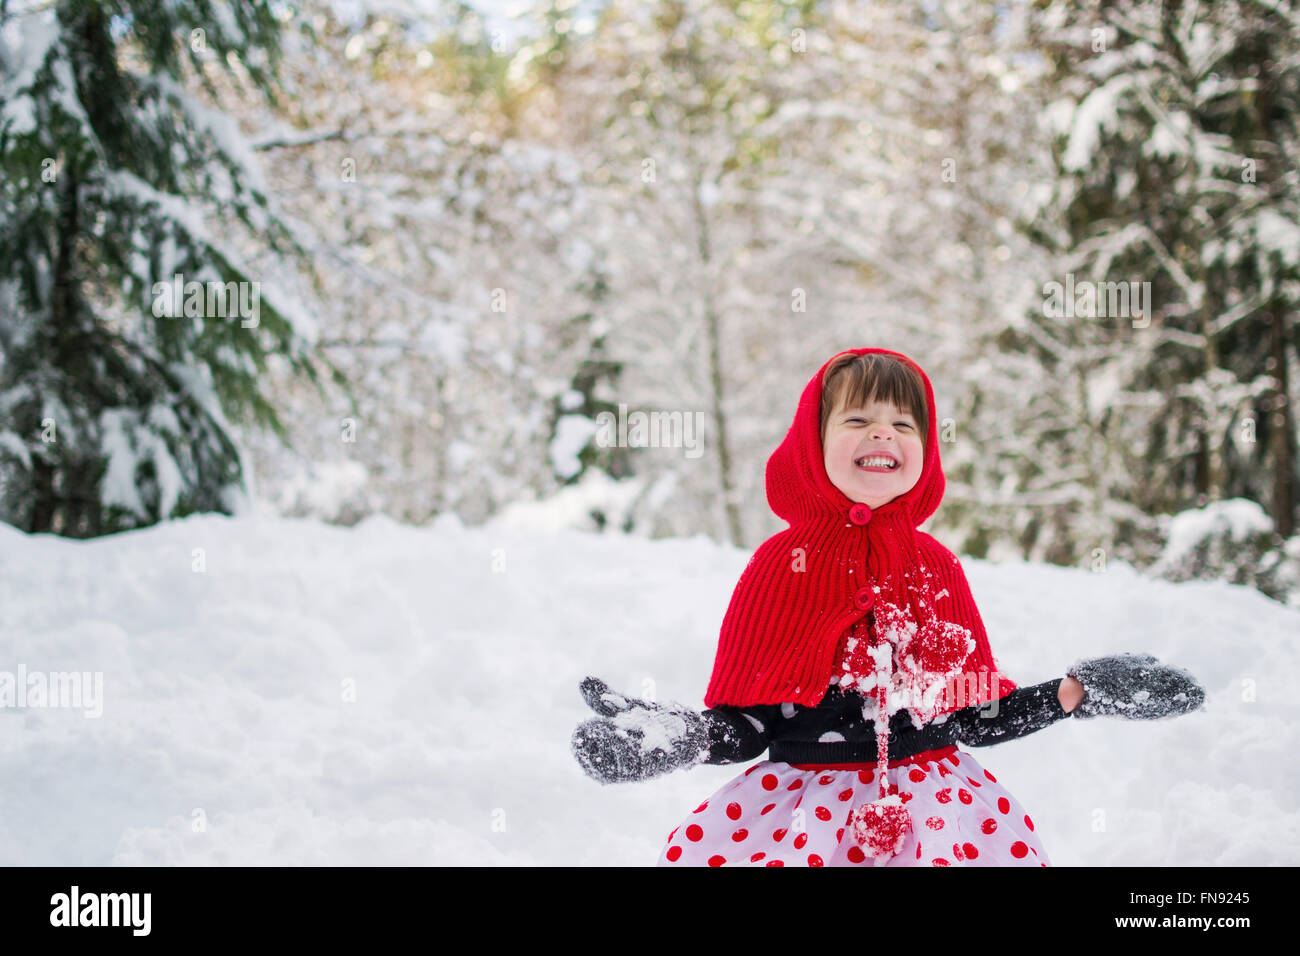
(876, 461)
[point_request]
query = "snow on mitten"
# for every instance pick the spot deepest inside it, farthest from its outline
(1134, 686)
(634, 739)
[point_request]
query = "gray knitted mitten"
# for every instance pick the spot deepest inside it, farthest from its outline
(1135, 686)
(634, 739)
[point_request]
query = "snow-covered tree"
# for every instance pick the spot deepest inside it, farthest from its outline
(131, 325)
(1175, 125)
(457, 283)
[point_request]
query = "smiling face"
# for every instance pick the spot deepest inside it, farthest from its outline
(873, 452)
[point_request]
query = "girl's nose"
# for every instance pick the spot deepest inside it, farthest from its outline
(880, 430)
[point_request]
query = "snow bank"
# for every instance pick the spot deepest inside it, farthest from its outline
(286, 692)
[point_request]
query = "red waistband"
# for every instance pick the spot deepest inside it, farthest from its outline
(921, 757)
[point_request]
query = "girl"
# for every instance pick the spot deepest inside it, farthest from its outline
(853, 653)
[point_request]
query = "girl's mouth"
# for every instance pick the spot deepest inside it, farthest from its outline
(880, 463)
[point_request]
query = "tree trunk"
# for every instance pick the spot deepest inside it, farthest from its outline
(1281, 420)
(712, 326)
(1282, 427)
(46, 506)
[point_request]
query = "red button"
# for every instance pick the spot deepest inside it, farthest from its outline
(864, 598)
(859, 514)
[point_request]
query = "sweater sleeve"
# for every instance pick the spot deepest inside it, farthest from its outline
(738, 734)
(1022, 712)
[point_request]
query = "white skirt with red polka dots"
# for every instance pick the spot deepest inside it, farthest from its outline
(780, 814)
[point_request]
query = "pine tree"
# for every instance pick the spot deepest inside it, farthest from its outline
(118, 189)
(1176, 125)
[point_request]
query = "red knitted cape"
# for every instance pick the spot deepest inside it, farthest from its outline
(838, 560)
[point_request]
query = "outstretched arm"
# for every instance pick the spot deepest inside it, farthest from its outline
(1020, 713)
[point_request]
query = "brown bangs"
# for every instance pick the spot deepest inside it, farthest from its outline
(854, 381)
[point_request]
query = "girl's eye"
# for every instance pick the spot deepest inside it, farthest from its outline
(904, 424)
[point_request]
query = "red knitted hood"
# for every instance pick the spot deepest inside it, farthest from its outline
(838, 561)
(798, 487)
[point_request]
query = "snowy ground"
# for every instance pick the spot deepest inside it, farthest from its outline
(229, 735)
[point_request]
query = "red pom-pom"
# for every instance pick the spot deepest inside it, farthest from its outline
(881, 826)
(942, 648)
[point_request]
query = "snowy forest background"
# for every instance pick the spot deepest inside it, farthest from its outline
(472, 232)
